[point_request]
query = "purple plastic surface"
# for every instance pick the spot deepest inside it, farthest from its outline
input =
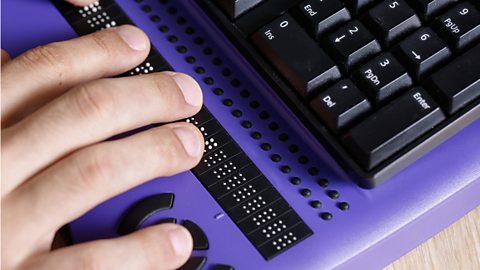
(381, 225)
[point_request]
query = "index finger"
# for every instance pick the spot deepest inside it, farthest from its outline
(56, 67)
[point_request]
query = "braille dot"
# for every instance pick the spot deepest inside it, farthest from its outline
(344, 206)
(163, 28)
(181, 20)
(305, 192)
(263, 115)
(246, 124)
(190, 59)
(207, 51)
(163, 1)
(237, 113)
(218, 91)
(293, 148)
(326, 216)
(172, 10)
(295, 180)
(226, 72)
(199, 70)
(273, 126)
(322, 182)
(138, 1)
(235, 82)
(285, 169)
(333, 194)
(146, 8)
(312, 171)
(276, 158)
(254, 104)
(283, 137)
(172, 39)
(154, 18)
(181, 49)
(217, 61)
(302, 160)
(227, 102)
(198, 40)
(256, 135)
(266, 146)
(244, 93)
(208, 80)
(189, 30)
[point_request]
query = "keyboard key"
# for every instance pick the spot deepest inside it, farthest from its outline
(393, 127)
(357, 6)
(352, 44)
(340, 105)
(422, 52)
(460, 26)
(235, 8)
(459, 82)
(321, 16)
(391, 20)
(302, 62)
(262, 14)
(427, 9)
(382, 77)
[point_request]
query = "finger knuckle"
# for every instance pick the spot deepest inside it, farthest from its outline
(167, 88)
(102, 44)
(50, 56)
(93, 102)
(170, 148)
(93, 168)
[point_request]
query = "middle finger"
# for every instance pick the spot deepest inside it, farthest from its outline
(91, 113)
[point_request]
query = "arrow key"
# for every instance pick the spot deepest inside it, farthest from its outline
(352, 45)
(422, 52)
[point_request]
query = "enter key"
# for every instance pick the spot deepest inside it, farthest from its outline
(393, 127)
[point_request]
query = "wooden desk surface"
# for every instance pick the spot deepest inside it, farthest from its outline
(456, 247)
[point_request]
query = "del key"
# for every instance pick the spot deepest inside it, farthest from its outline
(296, 55)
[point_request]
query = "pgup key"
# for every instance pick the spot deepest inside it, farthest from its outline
(296, 55)
(460, 26)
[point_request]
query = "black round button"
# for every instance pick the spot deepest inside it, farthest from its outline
(316, 204)
(322, 182)
(326, 216)
(285, 169)
(276, 158)
(333, 194)
(266, 146)
(306, 192)
(344, 206)
(295, 180)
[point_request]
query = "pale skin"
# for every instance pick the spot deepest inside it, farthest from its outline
(58, 108)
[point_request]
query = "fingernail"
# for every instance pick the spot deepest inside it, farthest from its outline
(190, 89)
(181, 241)
(190, 141)
(133, 36)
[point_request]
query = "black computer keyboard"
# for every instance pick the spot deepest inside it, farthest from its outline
(378, 82)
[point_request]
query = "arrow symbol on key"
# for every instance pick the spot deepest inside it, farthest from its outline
(416, 55)
(338, 39)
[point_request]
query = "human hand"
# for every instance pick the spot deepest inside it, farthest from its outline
(57, 110)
